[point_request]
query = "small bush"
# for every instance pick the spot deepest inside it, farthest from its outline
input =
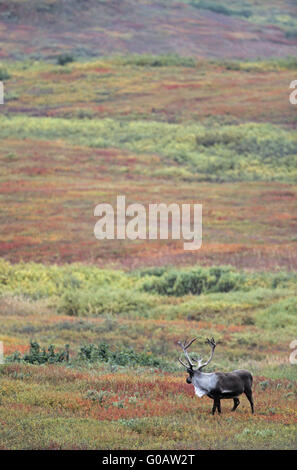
(95, 396)
(84, 114)
(4, 75)
(110, 301)
(217, 7)
(194, 281)
(291, 34)
(37, 355)
(119, 404)
(64, 59)
(163, 60)
(263, 385)
(212, 6)
(247, 321)
(94, 353)
(154, 271)
(91, 353)
(281, 314)
(228, 281)
(124, 357)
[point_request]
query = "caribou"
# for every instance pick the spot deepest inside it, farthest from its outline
(216, 385)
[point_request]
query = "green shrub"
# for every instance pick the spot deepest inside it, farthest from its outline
(217, 7)
(213, 137)
(248, 143)
(119, 404)
(228, 281)
(124, 357)
(194, 281)
(153, 271)
(37, 281)
(281, 314)
(162, 60)
(212, 6)
(291, 34)
(38, 355)
(113, 301)
(245, 152)
(91, 353)
(64, 59)
(282, 279)
(4, 75)
(84, 114)
(97, 396)
(263, 385)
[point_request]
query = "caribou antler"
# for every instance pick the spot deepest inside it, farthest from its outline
(193, 363)
(182, 363)
(212, 344)
(185, 345)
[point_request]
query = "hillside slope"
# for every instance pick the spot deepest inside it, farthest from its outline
(90, 28)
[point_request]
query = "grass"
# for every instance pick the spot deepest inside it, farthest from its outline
(88, 403)
(69, 304)
(177, 89)
(107, 390)
(266, 152)
(157, 412)
(171, 128)
(277, 14)
(218, 131)
(243, 29)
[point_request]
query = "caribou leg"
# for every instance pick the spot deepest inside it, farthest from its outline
(236, 403)
(249, 396)
(216, 405)
(219, 406)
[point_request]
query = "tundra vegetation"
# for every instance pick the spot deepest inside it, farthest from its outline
(120, 330)
(90, 328)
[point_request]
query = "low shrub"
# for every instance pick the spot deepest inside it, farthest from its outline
(64, 59)
(38, 355)
(291, 34)
(153, 271)
(194, 281)
(88, 353)
(4, 75)
(281, 314)
(97, 396)
(162, 60)
(217, 7)
(124, 357)
(112, 301)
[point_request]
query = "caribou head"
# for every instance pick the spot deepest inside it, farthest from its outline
(216, 385)
(194, 365)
